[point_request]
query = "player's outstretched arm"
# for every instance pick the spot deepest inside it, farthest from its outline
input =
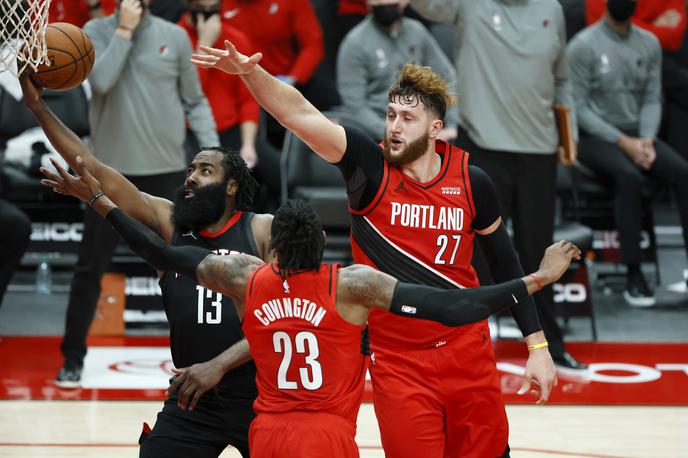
(285, 103)
(455, 307)
(224, 274)
(152, 211)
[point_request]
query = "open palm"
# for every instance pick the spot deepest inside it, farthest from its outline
(229, 60)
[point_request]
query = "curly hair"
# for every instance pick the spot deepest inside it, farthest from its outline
(297, 237)
(235, 167)
(417, 84)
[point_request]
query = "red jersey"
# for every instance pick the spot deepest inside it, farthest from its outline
(419, 233)
(287, 32)
(76, 11)
(308, 358)
(230, 100)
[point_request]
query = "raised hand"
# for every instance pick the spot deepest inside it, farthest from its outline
(83, 187)
(130, 13)
(32, 93)
(229, 60)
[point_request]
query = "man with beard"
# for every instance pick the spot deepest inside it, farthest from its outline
(211, 211)
(416, 207)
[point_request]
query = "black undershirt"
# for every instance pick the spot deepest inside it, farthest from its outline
(362, 166)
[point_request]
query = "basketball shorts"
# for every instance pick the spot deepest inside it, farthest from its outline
(441, 402)
(221, 418)
(302, 434)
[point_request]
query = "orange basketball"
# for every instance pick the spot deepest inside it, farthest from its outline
(71, 56)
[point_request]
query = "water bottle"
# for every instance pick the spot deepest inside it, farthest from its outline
(44, 277)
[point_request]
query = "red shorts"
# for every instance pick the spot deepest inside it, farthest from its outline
(443, 401)
(307, 434)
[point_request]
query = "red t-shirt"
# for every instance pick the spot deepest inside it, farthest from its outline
(76, 11)
(287, 32)
(308, 357)
(419, 233)
(646, 12)
(229, 99)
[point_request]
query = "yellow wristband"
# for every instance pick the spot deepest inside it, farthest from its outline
(540, 345)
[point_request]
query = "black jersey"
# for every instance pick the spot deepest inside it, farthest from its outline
(204, 323)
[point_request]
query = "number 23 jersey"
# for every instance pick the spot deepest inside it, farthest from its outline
(308, 357)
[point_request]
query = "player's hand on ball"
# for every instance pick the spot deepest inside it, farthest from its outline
(83, 187)
(229, 60)
(32, 93)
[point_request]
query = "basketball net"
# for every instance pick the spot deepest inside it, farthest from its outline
(22, 34)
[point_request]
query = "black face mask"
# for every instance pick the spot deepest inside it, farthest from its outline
(386, 15)
(621, 10)
(206, 15)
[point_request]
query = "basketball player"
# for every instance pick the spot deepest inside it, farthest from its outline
(211, 211)
(416, 207)
(303, 319)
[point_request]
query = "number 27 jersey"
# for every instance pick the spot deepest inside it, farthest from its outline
(419, 233)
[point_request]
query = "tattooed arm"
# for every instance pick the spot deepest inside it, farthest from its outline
(228, 275)
(361, 288)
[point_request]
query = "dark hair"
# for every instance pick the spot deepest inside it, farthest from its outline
(297, 237)
(417, 84)
(235, 167)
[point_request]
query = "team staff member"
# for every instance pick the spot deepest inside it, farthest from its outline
(414, 216)
(210, 210)
(303, 319)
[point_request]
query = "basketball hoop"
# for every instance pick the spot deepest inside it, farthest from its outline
(22, 34)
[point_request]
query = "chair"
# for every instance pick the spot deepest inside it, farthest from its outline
(307, 176)
(591, 201)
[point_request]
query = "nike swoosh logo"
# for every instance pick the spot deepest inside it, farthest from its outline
(231, 13)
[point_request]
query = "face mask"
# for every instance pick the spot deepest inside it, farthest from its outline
(386, 15)
(206, 14)
(621, 10)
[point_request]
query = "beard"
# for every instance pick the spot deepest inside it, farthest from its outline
(410, 153)
(204, 208)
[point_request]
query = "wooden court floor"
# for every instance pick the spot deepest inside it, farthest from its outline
(106, 429)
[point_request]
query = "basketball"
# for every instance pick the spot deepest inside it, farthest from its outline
(71, 56)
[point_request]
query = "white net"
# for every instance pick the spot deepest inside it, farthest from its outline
(22, 34)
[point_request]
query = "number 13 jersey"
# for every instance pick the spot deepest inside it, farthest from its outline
(307, 356)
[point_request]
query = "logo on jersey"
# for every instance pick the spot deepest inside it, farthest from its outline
(451, 190)
(408, 309)
(190, 234)
(401, 186)
(285, 285)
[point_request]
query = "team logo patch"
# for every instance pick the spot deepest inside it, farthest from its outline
(451, 190)
(408, 309)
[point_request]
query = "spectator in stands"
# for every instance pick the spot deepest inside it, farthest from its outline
(667, 21)
(615, 69)
(374, 52)
(290, 30)
(511, 69)
(14, 238)
(79, 12)
(143, 85)
(235, 111)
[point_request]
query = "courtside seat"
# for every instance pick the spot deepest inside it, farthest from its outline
(307, 176)
(56, 220)
(592, 201)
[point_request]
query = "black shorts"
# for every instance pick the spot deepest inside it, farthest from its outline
(221, 418)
